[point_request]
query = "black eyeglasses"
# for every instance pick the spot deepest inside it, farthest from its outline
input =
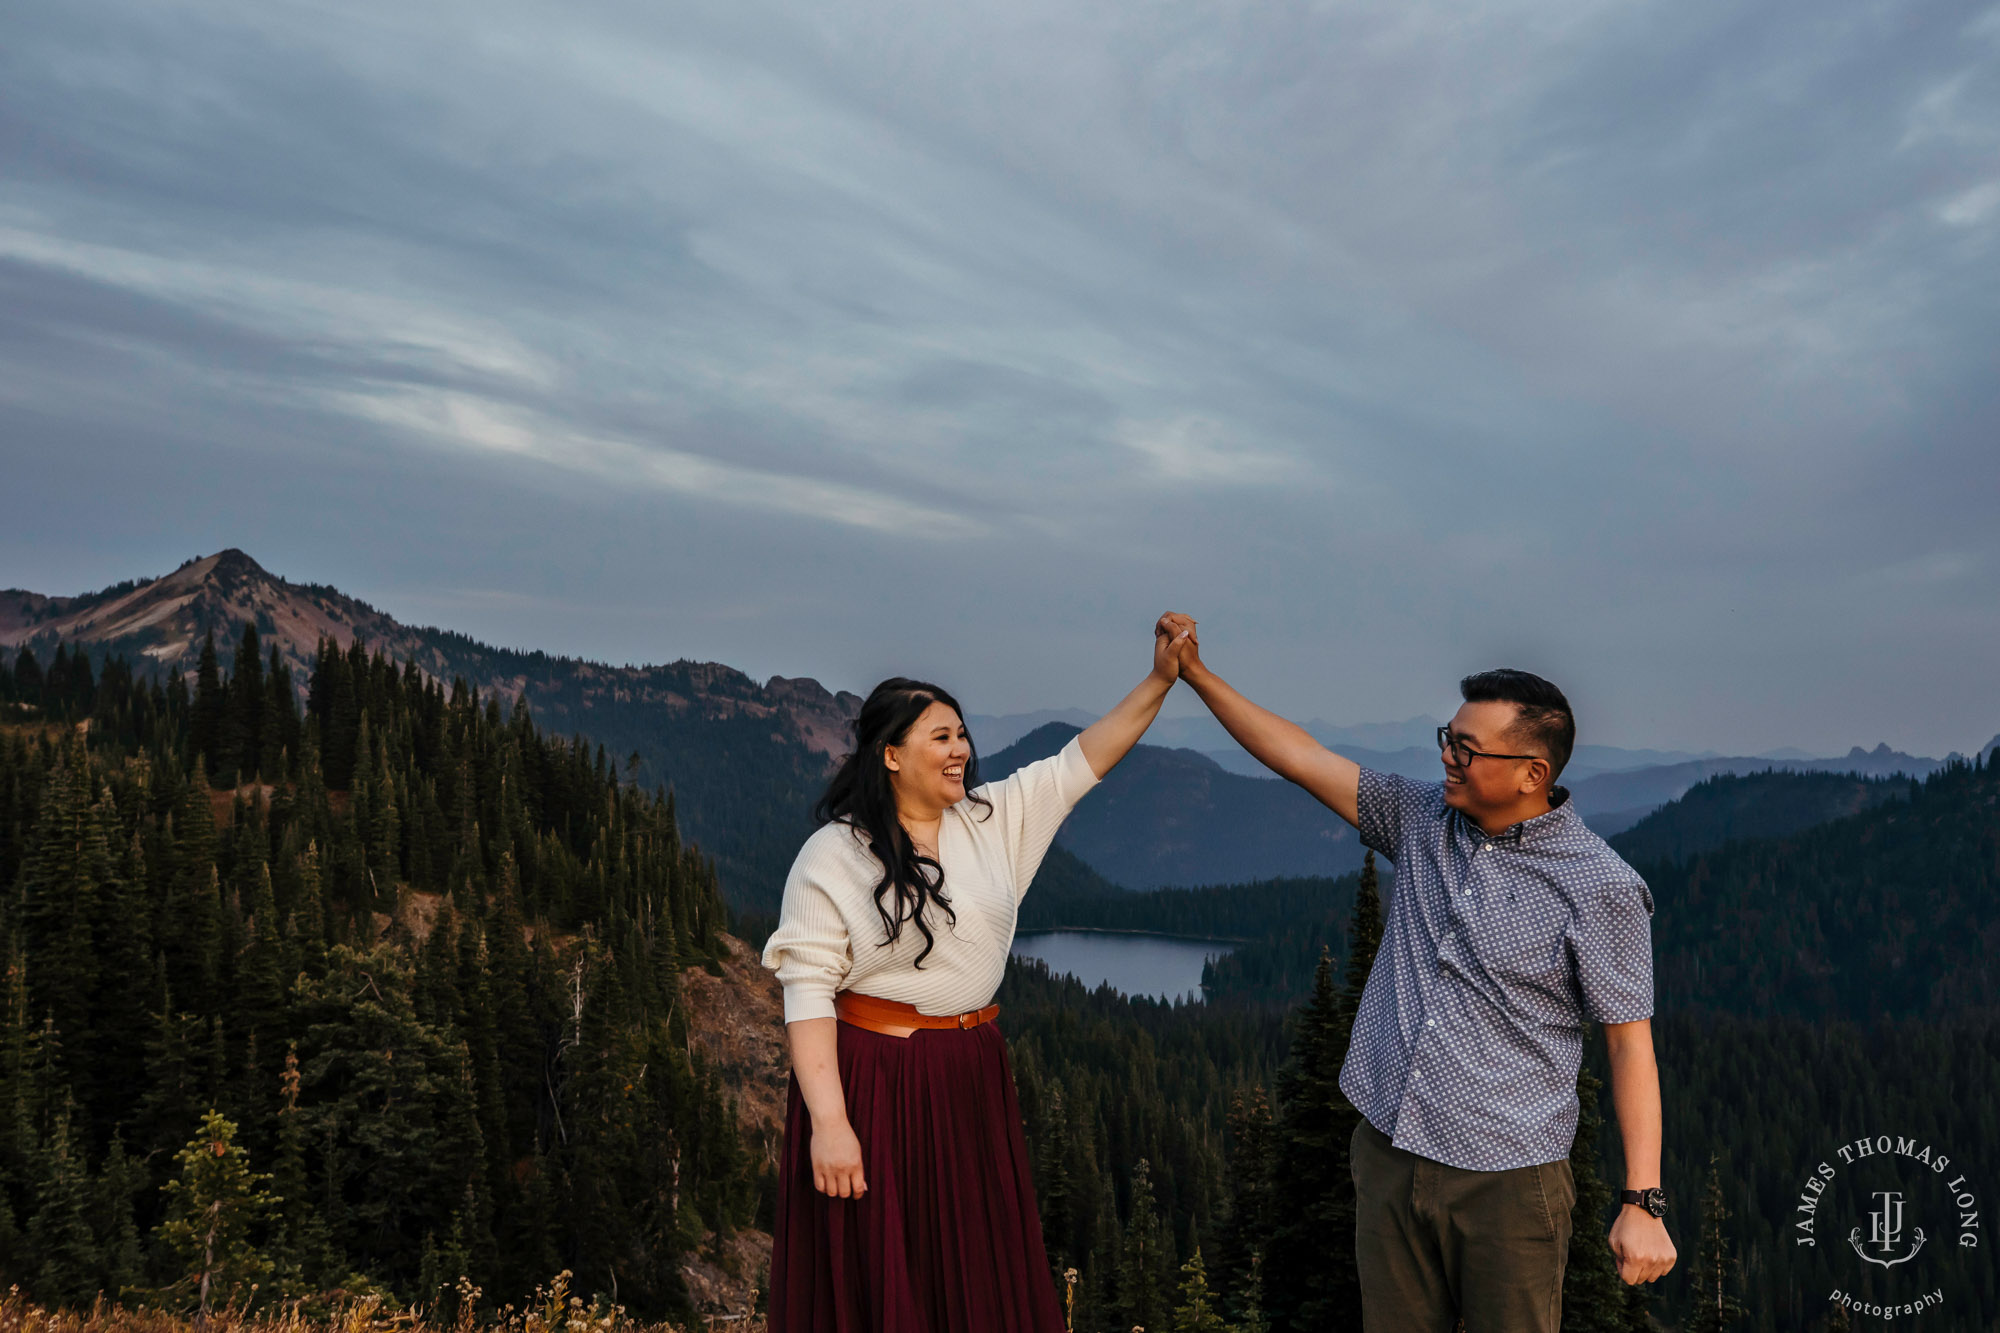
(1463, 754)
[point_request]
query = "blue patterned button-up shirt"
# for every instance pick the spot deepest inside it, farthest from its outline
(1495, 951)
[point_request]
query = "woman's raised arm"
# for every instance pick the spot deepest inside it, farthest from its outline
(1112, 736)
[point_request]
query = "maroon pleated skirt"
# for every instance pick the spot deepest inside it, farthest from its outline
(947, 1238)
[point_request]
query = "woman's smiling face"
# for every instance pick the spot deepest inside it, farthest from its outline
(927, 767)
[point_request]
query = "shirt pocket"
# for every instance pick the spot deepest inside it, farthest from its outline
(1518, 942)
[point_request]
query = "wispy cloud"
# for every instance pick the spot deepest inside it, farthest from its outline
(1972, 208)
(1201, 451)
(1042, 313)
(482, 426)
(420, 336)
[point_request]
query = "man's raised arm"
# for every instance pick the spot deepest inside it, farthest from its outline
(1282, 746)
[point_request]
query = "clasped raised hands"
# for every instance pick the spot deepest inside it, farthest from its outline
(1175, 645)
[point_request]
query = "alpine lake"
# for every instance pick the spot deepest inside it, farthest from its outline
(1162, 966)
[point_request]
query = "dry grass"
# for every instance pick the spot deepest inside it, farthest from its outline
(551, 1310)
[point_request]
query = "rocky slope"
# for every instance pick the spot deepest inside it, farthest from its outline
(738, 1022)
(164, 620)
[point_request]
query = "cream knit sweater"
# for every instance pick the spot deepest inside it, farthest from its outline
(830, 937)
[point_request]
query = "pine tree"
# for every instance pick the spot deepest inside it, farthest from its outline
(216, 1083)
(1143, 1260)
(1715, 1270)
(205, 724)
(1196, 1311)
(264, 966)
(66, 867)
(18, 1139)
(1300, 1260)
(1364, 934)
(1594, 1299)
(242, 740)
(55, 686)
(171, 1099)
(61, 1243)
(11, 1241)
(342, 723)
(393, 1089)
(214, 1208)
(1250, 1318)
(122, 941)
(308, 922)
(1098, 1295)
(302, 1255)
(1052, 1185)
(118, 1186)
(28, 678)
(1312, 1282)
(82, 693)
(1245, 1233)
(281, 733)
(189, 926)
(176, 704)
(384, 827)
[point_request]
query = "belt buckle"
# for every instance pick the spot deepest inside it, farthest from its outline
(961, 1021)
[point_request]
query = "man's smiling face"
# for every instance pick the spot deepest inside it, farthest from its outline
(1484, 784)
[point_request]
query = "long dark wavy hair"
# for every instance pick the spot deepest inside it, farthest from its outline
(860, 796)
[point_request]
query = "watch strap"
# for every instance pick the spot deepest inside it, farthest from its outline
(1654, 1201)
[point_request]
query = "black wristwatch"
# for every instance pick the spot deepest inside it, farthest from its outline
(1653, 1200)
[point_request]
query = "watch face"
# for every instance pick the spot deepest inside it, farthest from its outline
(1653, 1201)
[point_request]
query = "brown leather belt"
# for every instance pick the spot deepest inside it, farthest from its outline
(897, 1019)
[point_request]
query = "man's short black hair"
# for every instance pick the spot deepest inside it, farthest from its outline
(1545, 718)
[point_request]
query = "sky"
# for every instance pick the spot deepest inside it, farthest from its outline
(1647, 344)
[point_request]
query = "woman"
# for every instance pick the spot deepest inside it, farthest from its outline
(904, 1199)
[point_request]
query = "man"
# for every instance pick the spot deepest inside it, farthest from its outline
(1510, 925)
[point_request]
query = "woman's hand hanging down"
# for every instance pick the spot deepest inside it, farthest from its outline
(836, 1152)
(836, 1155)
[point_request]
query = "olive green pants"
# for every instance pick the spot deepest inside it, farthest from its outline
(1436, 1243)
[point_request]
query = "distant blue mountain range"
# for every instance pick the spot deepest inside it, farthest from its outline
(1176, 817)
(1200, 813)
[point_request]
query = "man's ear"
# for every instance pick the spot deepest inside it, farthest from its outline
(1538, 777)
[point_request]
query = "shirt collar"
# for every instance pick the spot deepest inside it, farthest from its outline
(1561, 811)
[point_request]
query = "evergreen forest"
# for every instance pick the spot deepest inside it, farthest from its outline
(1816, 986)
(409, 961)
(364, 983)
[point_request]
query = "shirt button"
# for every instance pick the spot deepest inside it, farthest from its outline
(1432, 1022)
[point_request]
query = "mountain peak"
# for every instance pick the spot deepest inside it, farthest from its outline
(232, 560)
(202, 566)
(162, 622)
(165, 620)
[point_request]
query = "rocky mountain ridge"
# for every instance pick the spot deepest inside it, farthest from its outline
(165, 620)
